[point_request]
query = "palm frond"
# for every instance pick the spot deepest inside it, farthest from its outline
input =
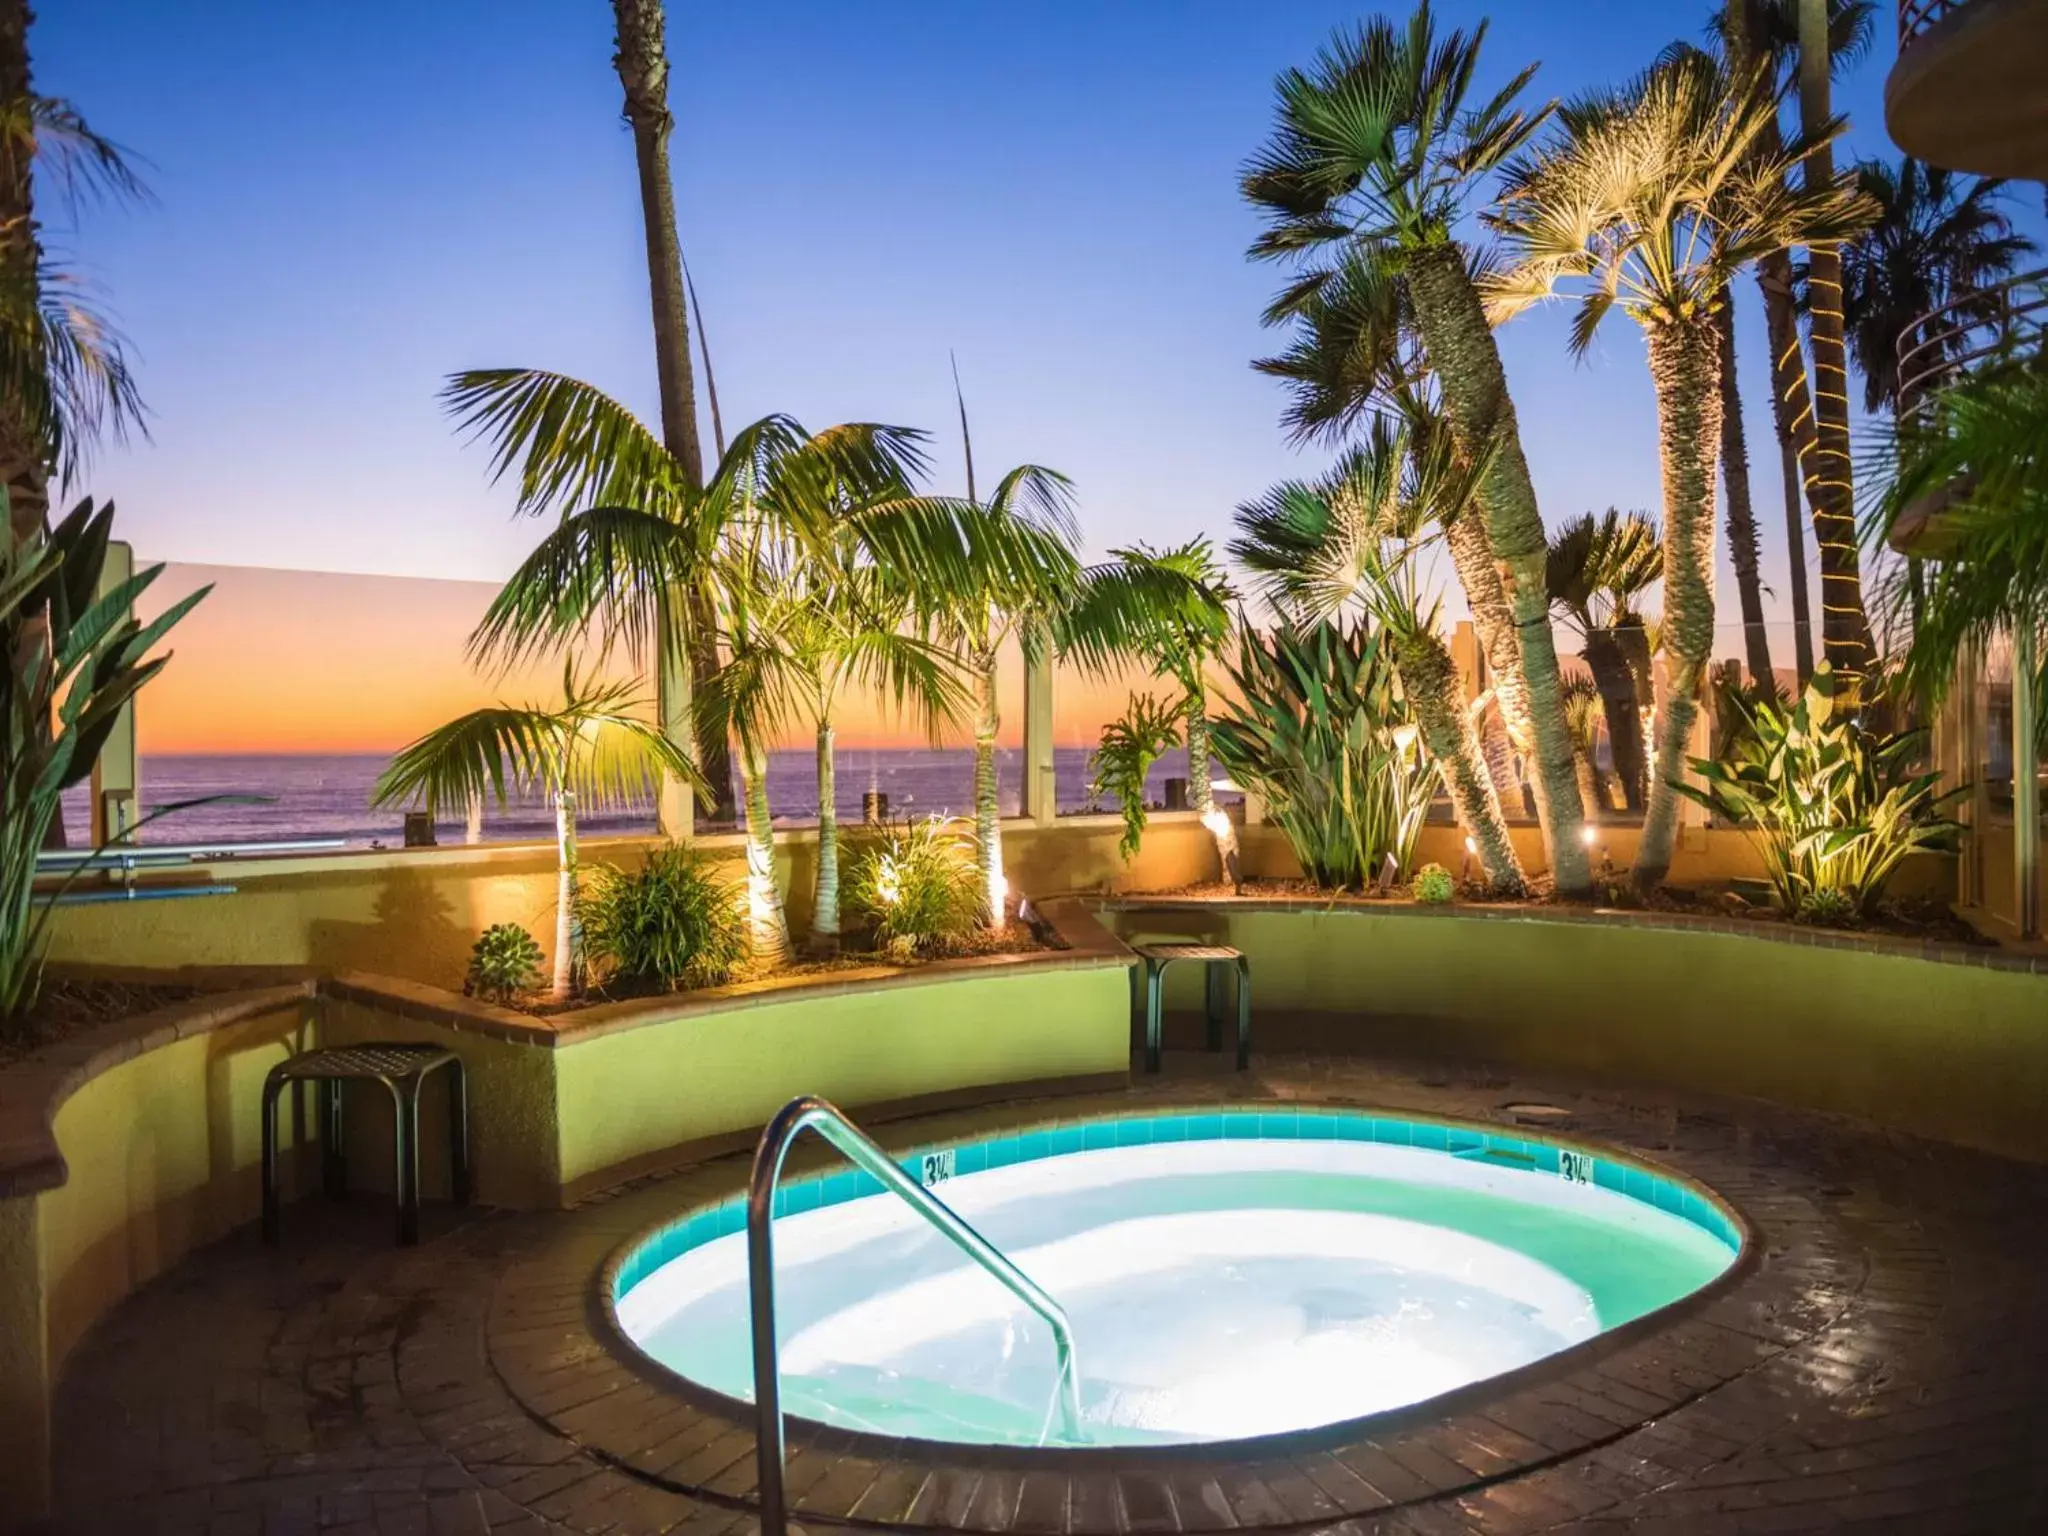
(567, 444)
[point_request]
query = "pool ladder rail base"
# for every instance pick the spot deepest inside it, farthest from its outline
(809, 1113)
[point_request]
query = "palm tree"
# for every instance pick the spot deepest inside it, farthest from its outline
(1352, 540)
(1651, 200)
(594, 751)
(1596, 570)
(1985, 435)
(847, 625)
(1171, 610)
(779, 498)
(1377, 152)
(1586, 712)
(1355, 356)
(1938, 237)
(1763, 35)
(65, 380)
(641, 59)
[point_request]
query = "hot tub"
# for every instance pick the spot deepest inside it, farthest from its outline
(1228, 1274)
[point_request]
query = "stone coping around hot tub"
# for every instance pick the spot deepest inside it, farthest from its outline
(34, 1088)
(1088, 945)
(1985, 956)
(552, 1342)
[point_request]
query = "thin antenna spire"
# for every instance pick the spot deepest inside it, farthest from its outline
(966, 441)
(704, 349)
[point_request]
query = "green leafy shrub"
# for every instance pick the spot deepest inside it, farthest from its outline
(918, 887)
(1831, 806)
(1316, 724)
(671, 923)
(1130, 745)
(504, 961)
(1433, 885)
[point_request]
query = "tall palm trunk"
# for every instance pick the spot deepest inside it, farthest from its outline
(1614, 679)
(642, 62)
(767, 926)
(1430, 679)
(1791, 400)
(568, 972)
(1742, 545)
(988, 820)
(1845, 628)
(1684, 363)
(1589, 783)
(1475, 394)
(1493, 621)
(825, 907)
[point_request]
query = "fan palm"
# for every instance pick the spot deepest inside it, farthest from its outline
(1350, 540)
(1586, 712)
(1377, 151)
(1938, 237)
(1649, 201)
(594, 751)
(1169, 609)
(1596, 571)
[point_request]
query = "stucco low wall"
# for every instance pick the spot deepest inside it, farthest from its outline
(414, 913)
(120, 1152)
(1946, 1043)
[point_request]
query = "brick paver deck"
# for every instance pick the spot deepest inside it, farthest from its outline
(1880, 1369)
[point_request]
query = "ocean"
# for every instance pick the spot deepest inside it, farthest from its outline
(329, 796)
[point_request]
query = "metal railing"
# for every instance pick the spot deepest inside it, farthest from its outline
(1969, 328)
(1916, 16)
(133, 856)
(815, 1114)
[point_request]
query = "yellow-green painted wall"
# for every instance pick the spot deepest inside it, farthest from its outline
(1954, 1052)
(628, 1094)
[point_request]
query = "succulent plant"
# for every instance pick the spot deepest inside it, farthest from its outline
(504, 962)
(1433, 885)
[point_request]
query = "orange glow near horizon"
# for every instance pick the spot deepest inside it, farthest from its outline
(313, 662)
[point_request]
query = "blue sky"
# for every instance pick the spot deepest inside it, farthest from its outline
(355, 200)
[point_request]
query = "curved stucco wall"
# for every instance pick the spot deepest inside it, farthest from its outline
(1954, 1048)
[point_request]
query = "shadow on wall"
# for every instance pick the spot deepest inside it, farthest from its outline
(413, 931)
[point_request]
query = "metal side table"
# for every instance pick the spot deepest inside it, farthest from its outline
(402, 1067)
(1216, 960)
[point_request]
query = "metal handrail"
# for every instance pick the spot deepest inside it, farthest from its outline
(132, 855)
(2005, 312)
(1916, 16)
(815, 1114)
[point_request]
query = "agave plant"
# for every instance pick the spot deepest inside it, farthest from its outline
(1317, 726)
(77, 657)
(1831, 806)
(1131, 744)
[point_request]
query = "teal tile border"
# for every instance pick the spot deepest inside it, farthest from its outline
(1231, 1123)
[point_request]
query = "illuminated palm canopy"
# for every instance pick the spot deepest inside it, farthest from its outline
(1652, 198)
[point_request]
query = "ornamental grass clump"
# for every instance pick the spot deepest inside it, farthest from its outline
(672, 923)
(919, 888)
(1832, 806)
(504, 962)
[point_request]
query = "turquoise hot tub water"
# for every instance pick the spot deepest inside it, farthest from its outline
(1227, 1274)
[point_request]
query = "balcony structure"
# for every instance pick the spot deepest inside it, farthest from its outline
(1970, 88)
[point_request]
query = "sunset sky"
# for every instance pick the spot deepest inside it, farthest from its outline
(353, 201)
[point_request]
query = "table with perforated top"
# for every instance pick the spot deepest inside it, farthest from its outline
(1216, 961)
(402, 1067)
